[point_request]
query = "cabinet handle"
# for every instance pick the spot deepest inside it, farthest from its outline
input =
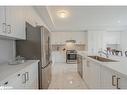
(113, 84)
(9, 29)
(4, 27)
(27, 76)
(118, 83)
(6, 83)
(23, 78)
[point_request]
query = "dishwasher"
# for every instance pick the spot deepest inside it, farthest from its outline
(79, 65)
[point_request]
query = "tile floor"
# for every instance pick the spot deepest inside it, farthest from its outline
(65, 76)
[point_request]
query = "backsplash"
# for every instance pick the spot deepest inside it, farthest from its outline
(7, 50)
(59, 47)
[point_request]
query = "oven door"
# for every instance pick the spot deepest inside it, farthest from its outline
(71, 56)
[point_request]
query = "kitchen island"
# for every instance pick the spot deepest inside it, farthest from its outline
(105, 75)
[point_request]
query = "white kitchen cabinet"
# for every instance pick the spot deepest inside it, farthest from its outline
(99, 76)
(59, 57)
(95, 41)
(86, 75)
(112, 80)
(108, 78)
(112, 38)
(121, 82)
(84, 62)
(15, 17)
(26, 78)
(12, 82)
(31, 74)
(12, 22)
(92, 74)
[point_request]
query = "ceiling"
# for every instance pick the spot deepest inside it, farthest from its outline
(82, 18)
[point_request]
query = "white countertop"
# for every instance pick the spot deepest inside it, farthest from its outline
(119, 67)
(6, 70)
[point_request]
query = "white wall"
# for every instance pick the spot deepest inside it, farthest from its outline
(123, 41)
(7, 50)
(7, 47)
(61, 37)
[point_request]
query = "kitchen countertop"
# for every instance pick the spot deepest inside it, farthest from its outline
(120, 66)
(6, 70)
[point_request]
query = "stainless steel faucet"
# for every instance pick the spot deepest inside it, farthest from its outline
(102, 52)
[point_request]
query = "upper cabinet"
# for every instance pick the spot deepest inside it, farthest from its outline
(112, 38)
(12, 22)
(95, 41)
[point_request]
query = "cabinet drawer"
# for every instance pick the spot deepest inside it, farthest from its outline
(12, 82)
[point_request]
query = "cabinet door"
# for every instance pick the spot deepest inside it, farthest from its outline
(31, 76)
(13, 82)
(84, 66)
(108, 78)
(15, 22)
(2, 21)
(86, 74)
(94, 73)
(121, 82)
(59, 57)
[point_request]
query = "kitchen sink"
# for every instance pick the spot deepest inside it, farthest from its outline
(102, 59)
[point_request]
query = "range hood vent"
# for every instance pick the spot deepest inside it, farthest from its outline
(70, 41)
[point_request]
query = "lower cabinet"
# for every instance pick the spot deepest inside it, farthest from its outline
(108, 78)
(59, 57)
(31, 77)
(24, 79)
(13, 82)
(121, 82)
(80, 65)
(98, 76)
(92, 74)
(112, 80)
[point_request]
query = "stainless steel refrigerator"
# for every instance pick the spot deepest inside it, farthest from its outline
(37, 46)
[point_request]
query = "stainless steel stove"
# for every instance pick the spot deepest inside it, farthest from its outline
(71, 56)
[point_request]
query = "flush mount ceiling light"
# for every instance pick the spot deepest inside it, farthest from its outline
(62, 13)
(118, 21)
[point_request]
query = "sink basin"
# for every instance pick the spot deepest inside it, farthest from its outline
(102, 59)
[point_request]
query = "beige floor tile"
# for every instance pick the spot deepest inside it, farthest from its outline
(65, 76)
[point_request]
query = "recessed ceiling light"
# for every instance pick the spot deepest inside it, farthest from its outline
(62, 13)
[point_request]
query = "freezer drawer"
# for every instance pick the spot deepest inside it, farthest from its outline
(46, 76)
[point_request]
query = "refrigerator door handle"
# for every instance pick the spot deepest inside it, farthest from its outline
(46, 65)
